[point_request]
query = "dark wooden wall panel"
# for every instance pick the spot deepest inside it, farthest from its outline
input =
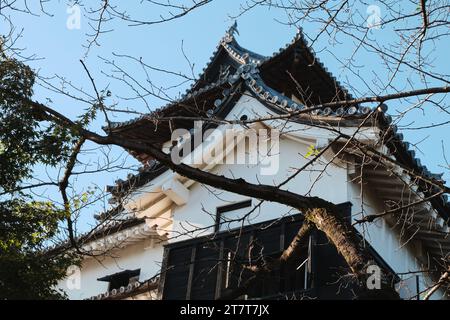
(201, 268)
(176, 277)
(205, 272)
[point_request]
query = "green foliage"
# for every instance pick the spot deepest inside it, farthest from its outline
(27, 271)
(25, 138)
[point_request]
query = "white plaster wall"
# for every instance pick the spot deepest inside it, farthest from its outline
(133, 257)
(203, 200)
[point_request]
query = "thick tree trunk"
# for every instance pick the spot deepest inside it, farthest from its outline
(442, 280)
(342, 236)
(348, 244)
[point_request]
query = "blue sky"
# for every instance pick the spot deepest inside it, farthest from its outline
(48, 38)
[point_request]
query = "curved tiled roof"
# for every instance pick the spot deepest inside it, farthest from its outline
(117, 222)
(244, 59)
(256, 84)
(160, 111)
(129, 291)
(300, 42)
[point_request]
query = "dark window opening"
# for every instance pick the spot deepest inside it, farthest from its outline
(121, 279)
(289, 277)
(224, 220)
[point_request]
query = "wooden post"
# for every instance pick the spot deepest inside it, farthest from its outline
(191, 273)
(162, 277)
(219, 279)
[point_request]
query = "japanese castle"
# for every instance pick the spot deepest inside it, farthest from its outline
(169, 237)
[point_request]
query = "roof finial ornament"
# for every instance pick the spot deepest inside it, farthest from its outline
(233, 29)
(299, 33)
(229, 36)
